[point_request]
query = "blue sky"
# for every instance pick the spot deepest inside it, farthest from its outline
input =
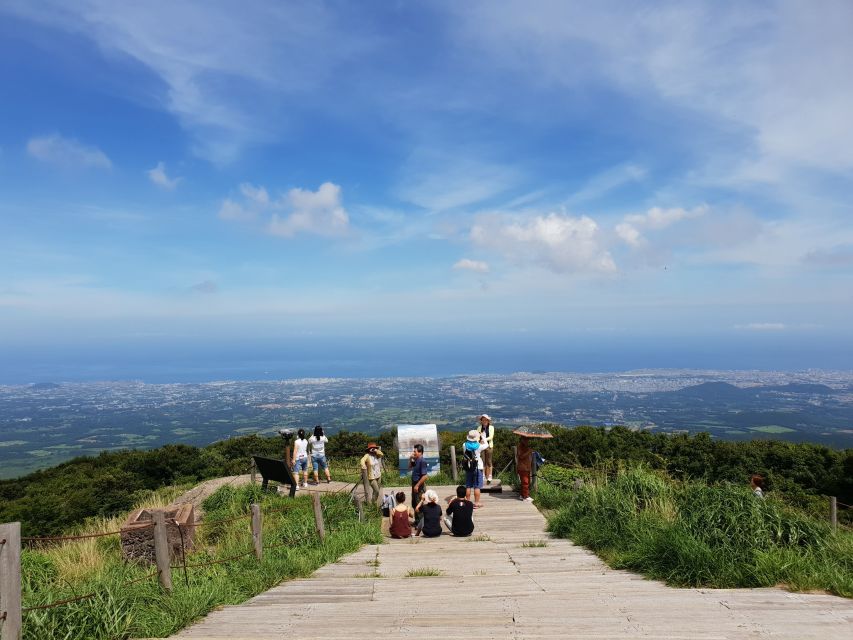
(224, 173)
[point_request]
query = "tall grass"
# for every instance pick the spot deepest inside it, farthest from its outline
(692, 534)
(143, 610)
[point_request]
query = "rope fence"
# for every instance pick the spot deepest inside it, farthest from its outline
(327, 517)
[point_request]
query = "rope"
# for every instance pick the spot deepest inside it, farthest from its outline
(59, 603)
(213, 562)
(80, 537)
(846, 506)
(213, 522)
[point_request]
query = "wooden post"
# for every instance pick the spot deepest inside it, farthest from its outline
(10, 581)
(359, 505)
(253, 472)
(257, 528)
(379, 493)
(833, 512)
(366, 484)
(453, 470)
(533, 471)
(318, 515)
(161, 549)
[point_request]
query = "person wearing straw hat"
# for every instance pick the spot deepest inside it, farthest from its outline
(372, 462)
(488, 430)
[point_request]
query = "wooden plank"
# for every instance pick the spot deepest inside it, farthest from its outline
(10, 581)
(559, 591)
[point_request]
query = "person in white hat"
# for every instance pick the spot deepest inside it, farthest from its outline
(488, 432)
(472, 463)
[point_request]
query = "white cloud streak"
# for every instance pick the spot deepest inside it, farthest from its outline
(67, 152)
(466, 264)
(158, 176)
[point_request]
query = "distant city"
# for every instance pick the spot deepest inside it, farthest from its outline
(47, 423)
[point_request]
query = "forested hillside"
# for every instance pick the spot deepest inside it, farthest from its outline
(56, 499)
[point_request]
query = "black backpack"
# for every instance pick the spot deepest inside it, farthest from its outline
(469, 460)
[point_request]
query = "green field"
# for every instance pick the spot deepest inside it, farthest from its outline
(772, 428)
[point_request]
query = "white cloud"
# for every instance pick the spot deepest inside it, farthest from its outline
(472, 265)
(67, 152)
(158, 176)
(319, 212)
(656, 218)
(256, 194)
(762, 326)
(560, 242)
(836, 256)
(776, 73)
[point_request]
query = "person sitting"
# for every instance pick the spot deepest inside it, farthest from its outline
(401, 518)
(430, 521)
(460, 513)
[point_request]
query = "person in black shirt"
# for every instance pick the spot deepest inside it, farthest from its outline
(430, 522)
(460, 512)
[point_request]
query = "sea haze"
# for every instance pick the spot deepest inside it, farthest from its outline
(166, 361)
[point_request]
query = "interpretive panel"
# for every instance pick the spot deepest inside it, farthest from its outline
(408, 435)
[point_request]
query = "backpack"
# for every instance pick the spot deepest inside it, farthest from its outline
(469, 460)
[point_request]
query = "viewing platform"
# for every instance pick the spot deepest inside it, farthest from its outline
(512, 580)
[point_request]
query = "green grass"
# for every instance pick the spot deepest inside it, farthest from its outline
(143, 610)
(423, 573)
(532, 544)
(693, 534)
(483, 537)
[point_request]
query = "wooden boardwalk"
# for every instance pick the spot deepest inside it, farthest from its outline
(491, 586)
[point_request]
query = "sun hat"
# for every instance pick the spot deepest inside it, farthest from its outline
(473, 435)
(372, 445)
(486, 416)
(431, 496)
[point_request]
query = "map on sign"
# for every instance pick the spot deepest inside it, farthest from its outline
(408, 435)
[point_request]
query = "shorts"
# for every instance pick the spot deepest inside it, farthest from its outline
(486, 455)
(474, 479)
(320, 463)
(301, 464)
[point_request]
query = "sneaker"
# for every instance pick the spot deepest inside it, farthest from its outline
(528, 499)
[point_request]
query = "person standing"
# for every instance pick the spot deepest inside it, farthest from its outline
(318, 454)
(488, 430)
(419, 472)
(473, 464)
(300, 458)
(523, 467)
(372, 462)
(460, 514)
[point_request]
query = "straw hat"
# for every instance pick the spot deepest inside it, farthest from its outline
(473, 435)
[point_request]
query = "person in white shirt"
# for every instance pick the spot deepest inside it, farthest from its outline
(300, 458)
(318, 454)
